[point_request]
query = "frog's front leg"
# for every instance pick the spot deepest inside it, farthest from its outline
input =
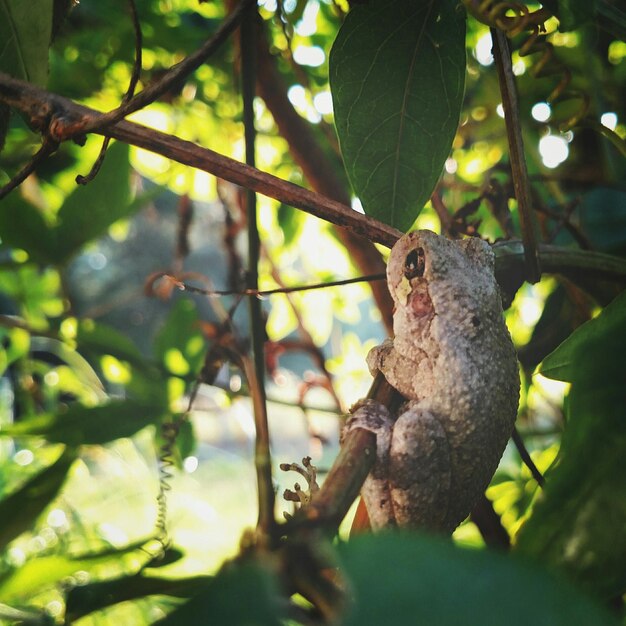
(420, 471)
(375, 417)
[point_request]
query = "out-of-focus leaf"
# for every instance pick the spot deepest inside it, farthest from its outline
(49, 346)
(601, 216)
(90, 209)
(290, 221)
(23, 226)
(93, 597)
(398, 579)
(397, 74)
(44, 572)
(19, 510)
(25, 29)
(80, 425)
(11, 615)
(242, 595)
(95, 339)
(86, 214)
(146, 382)
(179, 345)
(578, 524)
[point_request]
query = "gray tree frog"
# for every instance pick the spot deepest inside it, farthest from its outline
(453, 361)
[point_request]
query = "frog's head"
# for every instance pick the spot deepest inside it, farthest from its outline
(422, 258)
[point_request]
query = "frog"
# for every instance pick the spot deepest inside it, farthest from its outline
(453, 362)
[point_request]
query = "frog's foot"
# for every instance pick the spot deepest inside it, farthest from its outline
(377, 355)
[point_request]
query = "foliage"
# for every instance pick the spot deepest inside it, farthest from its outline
(102, 463)
(418, 51)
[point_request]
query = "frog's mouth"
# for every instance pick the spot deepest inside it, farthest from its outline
(414, 296)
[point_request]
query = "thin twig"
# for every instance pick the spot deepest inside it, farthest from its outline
(526, 458)
(266, 292)
(134, 79)
(46, 149)
(519, 172)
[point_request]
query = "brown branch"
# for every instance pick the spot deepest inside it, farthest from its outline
(52, 113)
(490, 525)
(44, 108)
(354, 462)
(256, 376)
(519, 171)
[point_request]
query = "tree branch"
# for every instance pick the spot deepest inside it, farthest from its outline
(47, 111)
(50, 113)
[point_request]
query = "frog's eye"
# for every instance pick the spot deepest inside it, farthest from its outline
(415, 263)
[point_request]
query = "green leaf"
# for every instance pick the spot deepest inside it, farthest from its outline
(95, 339)
(180, 345)
(564, 363)
(25, 29)
(397, 75)
(22, 226)
(80, 425)
(86, 214)
(19, 510)
(90, 209)
(240, 595)
(399, 579)
(47, 571)
(578, 524)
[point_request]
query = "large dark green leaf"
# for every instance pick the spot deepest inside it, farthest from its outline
(19, 510)
(397, 74)
(80, 424)
(25, 29)
(240, 595)
(398, 579)
(578, 525)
